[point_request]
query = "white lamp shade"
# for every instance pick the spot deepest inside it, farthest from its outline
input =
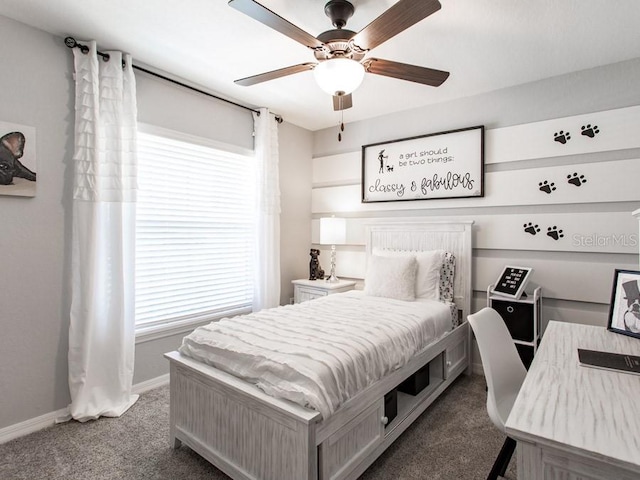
(339, 75)
(333, 231)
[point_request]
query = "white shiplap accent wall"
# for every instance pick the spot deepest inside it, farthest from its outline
(615, 181)
(562, 208)
(617, 129)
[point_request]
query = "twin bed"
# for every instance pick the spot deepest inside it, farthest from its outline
(298, 392)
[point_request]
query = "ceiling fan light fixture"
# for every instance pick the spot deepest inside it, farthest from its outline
(339, 75)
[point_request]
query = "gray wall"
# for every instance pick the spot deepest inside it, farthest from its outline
(295, 200)
(164, 104)
(38, 90)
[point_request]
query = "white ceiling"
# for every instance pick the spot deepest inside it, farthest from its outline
(485, 44)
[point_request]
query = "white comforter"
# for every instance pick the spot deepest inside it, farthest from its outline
(320, 353)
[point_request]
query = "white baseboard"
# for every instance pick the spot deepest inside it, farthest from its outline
(48, 419)
(147, 385)
(31, 425)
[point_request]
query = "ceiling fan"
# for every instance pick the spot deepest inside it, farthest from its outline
(340, 53)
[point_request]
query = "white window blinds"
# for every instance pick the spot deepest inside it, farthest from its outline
(194, 232)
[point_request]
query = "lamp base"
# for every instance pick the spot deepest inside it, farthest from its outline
(332, 278)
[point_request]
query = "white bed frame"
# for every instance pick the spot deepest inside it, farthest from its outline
(250, 435)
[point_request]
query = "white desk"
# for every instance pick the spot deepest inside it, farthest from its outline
(573, 422)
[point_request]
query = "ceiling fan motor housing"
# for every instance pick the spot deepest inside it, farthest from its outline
(337, 44)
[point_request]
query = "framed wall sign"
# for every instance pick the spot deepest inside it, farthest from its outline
(512, 281)
(624, 310)
(17, 159)
(439, 165)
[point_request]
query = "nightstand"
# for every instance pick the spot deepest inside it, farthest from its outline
(304, 290)
(522, 318)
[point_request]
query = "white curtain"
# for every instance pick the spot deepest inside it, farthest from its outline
(266, 290)
(102, 322)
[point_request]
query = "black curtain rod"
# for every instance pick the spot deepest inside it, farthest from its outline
(71, 43)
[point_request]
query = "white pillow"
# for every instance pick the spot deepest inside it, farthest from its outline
(428, 273)
(391, 277)
(428, 276)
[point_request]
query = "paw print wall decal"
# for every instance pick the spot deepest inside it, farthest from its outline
(555, 233)
(562, 137)
(589, 131)
(546, 186)
(531, 228)
(576, 179)
(534, 229)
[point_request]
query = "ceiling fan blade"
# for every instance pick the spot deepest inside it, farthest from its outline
(404, 71)
(282, 72)
(275, 21)
(342, 102)
(399, 17)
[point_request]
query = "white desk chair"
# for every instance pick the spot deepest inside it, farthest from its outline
(504, 372)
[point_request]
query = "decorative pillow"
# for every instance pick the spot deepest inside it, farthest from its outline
(447, 273)
(428, 277)
(391, 277)
(430, 264)
(455, 317)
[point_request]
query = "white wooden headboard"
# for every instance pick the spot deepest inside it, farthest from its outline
(454, 237)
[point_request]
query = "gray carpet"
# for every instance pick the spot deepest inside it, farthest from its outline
(452, 440)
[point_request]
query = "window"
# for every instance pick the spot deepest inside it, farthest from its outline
(194, 232)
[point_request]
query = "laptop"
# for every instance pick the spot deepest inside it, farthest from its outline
(618, 362)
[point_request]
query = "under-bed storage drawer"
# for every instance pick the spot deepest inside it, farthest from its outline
(416, 382)
(345, 449)
(456, 356)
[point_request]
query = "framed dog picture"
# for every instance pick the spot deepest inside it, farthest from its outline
(624, 310)
(17, 160)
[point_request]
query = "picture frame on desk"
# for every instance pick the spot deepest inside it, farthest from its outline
(512, 282)
(624, 309)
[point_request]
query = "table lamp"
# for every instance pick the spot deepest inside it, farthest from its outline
(333, 231)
